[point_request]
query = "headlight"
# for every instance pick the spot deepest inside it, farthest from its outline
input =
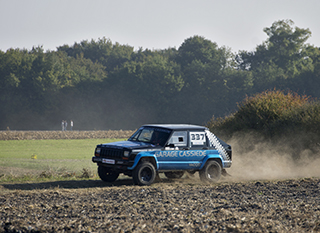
(126, 153)
(97, 152)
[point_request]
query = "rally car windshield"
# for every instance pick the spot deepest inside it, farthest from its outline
(155, 136)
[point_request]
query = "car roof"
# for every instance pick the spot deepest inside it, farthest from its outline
(177, 126)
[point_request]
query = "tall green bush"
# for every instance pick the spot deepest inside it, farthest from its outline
(271, 113)
(286, 120)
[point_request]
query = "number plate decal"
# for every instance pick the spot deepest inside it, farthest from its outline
(109, 161)
(197, 138)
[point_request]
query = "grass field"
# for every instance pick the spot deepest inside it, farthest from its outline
(64, 157)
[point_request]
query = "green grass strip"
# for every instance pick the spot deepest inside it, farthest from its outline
(33, 157)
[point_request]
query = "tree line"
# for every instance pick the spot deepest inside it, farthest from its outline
(103, 85)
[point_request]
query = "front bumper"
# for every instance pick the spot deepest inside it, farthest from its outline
(112, 162)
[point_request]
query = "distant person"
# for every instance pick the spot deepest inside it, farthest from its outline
(71, 124)
(65, 125)
(62, 125)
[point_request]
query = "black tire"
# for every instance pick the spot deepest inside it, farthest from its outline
(107, 175)
(211, 172)
(174, 175)
(144, 173)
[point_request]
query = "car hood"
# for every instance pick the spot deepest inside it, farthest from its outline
(128, 145)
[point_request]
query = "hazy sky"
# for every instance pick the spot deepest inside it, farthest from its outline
(237, 24)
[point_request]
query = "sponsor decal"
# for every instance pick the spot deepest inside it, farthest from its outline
(194, 164)
(184, 153)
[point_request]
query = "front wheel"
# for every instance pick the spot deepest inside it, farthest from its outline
(144, 174)
(107, 174)
(211, 172)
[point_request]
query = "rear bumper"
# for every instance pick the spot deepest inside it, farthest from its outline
(227, 164)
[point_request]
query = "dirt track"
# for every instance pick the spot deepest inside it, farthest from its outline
(245, 202)
(180, 206)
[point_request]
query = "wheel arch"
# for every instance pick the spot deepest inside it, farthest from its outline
(211, 172)
(211, 158)
(145, 157)
(149, 159)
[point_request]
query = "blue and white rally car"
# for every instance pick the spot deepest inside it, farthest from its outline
(171, 149)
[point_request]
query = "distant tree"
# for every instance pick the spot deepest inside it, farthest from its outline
(308, 81)
(197, 48)
(209, 75)
(15, 65)
(103, 51)
(152, 83)
(283, 55)
(286, 45)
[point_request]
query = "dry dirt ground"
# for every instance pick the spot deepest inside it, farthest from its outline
(265, 193)
(167, 206)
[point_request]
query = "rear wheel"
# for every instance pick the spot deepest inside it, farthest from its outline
(211, 172)
(174, 175)
(107, 175)
(144, 173)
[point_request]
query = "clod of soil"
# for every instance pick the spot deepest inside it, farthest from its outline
(256, 206)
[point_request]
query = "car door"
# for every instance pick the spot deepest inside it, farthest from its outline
(184, 151)
(169, 158)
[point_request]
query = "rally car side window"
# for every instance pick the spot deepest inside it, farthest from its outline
(179, 139)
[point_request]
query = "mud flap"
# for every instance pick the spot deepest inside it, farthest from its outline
(224, 173)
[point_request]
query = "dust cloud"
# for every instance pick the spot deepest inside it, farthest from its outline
(255, 158)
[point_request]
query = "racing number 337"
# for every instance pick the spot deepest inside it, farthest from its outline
(197, 138)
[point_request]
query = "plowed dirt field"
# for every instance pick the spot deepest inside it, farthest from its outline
(257, 197)
(167, 206)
